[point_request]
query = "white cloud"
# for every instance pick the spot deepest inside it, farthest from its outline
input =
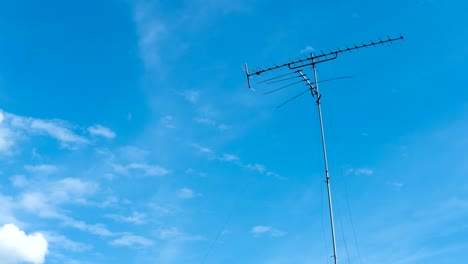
(60, 241)
(262, 230)
(96, 229)
(360, 171)
(39, 204)
(190, 95)
(307, 49)
(223, 127)
(205, 121)
(202, 149)
(229, 157)
(168, 121)
(133, 153)
(43, 199)
(19, 181)
(169, 233)
(135, 218)
(257, 167)
(7, 207)
(173, 233)
(192, 171)
(185, 193)
(151, 170)
(61, 131)
(72, 189)
(57, 130)
(99, 130)
(6, 139)
(41, 168)
(211, 123)
(132, 240)
(397, 184)
(276, 175)
(151, 31)
(147, 169)
(18, 247)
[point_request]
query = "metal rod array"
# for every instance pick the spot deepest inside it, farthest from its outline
(316, 59)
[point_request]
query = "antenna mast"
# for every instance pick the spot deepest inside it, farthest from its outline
(297, 65)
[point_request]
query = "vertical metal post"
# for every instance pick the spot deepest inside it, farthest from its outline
(327, 177)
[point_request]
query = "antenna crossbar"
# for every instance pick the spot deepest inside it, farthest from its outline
(316, 59)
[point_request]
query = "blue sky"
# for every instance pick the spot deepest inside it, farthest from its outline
(128, 134)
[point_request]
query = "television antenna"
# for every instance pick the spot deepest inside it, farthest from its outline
(298, 76)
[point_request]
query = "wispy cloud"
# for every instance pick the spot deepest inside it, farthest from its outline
(130, 240)
(96, 229)
(256, 167)
(211, 123)
(143, 168)
(276, 175)
(185, 193)
(102, 131)
(168, 121)
(192, 171)
(307, 49)
(41, 168)
(45, 199)
(6, 136)
(60, 241)
(228, 157)
(190, 95)
(6, 140)
(202, 149)
(205, 121)
(151, 30)
(72, 190)
(19, 181)
(266, 230)
(135, 218)
(396, 184)
(173, 233)
(57, 129)
(360, 171)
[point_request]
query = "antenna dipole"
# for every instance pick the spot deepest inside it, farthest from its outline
(297, 66)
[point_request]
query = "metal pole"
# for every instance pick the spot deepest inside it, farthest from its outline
(327, 177)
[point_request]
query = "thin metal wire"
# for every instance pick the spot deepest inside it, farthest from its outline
(344, 239)
(283, 87)
(267, 80)
(282, 80)
(223, 227)
(326, 80)
(308, 89)
(352, 224)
